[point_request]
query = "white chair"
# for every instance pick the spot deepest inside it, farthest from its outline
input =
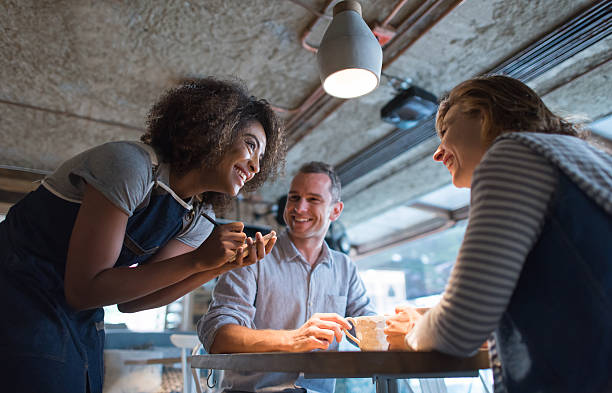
(188, 342)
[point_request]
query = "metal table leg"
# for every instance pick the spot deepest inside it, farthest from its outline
(385, 384)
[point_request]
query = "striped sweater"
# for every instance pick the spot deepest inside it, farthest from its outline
(511, 189)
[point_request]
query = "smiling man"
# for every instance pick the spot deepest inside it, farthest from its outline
(296, 298)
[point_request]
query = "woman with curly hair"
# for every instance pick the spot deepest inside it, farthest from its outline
(121, 224)
(535, 265)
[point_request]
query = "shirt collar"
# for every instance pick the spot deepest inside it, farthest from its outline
(290, 252)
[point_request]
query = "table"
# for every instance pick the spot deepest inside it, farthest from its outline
(384, 366)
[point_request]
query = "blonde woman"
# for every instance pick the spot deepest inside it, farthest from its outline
(535, 265)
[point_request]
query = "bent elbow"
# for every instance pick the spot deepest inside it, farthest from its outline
(128, 308)
(215, 348)
(74, 299)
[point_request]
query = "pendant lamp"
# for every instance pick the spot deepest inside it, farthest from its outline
(349, 57)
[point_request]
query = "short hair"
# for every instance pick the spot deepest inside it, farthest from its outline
(335, 188)
(506, 105)
(195, 124)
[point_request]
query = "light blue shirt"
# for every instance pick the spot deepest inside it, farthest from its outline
(283, 291)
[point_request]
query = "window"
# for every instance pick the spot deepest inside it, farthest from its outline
(405, 256)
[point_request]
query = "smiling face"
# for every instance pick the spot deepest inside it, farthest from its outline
(310, 207)
(241, 163)
(461, 145)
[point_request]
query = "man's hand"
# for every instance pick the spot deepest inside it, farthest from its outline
(399, 325)
(317, 333)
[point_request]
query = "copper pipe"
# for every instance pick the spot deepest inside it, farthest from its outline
(314, 96)
(306, 45)
(426, 13)
(307, 102)
(395, 10)
(280, 109)
(308, 29)
(414, 15)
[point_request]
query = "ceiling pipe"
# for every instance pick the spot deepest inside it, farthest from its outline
(393, 12)
(426, 13)
(308, 29)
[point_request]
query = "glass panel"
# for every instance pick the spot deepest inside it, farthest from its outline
(414, 273)
(434, 250)
(142, 321)
(448, 197)
(385, 224)
(602, 126)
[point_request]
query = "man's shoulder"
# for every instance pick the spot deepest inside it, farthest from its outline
(341, 260)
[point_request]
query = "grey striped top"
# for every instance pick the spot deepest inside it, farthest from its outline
(511, 189)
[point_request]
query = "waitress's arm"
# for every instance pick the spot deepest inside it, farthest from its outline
(97, 237)
(169, 294)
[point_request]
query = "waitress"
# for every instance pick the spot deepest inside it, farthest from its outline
(121, 224)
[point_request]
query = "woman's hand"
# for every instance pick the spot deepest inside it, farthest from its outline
(399, 325)
(228, 247)
(220, 246)
(255, 250)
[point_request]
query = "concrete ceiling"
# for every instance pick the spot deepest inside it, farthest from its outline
(79, 73)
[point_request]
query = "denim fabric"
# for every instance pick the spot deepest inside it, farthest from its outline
(46, 346)
(556, 335)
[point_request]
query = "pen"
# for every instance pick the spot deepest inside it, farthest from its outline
(209, 218)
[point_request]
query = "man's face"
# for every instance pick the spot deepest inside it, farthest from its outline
(310, 207)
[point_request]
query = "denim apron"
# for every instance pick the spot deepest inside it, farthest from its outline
(556, 334)
(46, 346)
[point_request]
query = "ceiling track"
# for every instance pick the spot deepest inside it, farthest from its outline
(394, 144)
(428, 14)
(582, 30)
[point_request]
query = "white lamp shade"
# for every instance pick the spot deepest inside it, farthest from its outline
(349, 57)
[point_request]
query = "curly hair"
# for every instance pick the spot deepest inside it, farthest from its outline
(195, 124)
(506, 105)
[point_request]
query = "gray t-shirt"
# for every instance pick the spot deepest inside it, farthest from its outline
(124, 173)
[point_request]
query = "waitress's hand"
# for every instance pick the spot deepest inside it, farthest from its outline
(220, 246)
(399, 325)
(255, 249)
